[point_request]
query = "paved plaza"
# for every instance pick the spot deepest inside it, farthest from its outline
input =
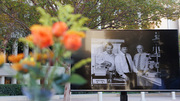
(131, 97)
(106, 97)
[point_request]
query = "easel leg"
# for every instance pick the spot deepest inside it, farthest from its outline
(123, 96)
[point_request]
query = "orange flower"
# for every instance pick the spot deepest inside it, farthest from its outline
(59, 29)
(42, 35)
(72, 40)
(40, 57)
(36, 56)
(2, 59)
(15, 59)
(28, 62)
(19, 67)
(81, 34)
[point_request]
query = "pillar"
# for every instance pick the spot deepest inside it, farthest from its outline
(173, 95)
(99, 96)
(2, 79)
(26, 50)
(13, 81)
(143, 96)
(15, 48)
(172, 24)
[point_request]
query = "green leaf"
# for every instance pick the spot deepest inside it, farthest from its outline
(23, 40)
(80, 64)
(57, 49)
(77, 79)
(46, 18)
(62, 79)
(67, 54)
(58, 88)
(74, 21)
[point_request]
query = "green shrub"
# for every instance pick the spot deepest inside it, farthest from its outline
(10, 89)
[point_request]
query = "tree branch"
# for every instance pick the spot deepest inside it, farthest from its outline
(90, 8)
(34, 2)
(21, 23)
(50, 3)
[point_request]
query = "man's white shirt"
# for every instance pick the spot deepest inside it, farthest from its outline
(104, 56)
(143, 61)
(121, 64)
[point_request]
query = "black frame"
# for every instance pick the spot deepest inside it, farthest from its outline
(167, 56)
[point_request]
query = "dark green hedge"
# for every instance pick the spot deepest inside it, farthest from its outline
(10, 89)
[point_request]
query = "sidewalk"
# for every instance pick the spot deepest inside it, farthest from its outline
(106, 97)
(131, 97)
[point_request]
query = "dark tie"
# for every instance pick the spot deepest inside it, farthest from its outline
(139, 60)
(128, 64)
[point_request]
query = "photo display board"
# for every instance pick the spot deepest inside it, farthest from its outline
(129, 60)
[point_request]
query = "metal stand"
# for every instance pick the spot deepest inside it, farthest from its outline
(143, 96)
(173, 95)
(99, 96)
(124, 96)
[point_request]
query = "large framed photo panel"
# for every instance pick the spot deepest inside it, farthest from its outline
(129, 60)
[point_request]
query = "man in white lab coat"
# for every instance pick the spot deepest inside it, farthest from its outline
(106, 60)
(125, 66)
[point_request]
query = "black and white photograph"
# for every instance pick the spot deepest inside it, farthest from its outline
(131, 60)
(113, 65)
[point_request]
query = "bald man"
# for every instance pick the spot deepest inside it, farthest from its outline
(141, 59)
(141, 63)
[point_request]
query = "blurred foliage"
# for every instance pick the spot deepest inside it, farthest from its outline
(107, 13)
(10, 89)
(17, 15)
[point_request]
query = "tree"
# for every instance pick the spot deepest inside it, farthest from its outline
(15, 19)
(127, 14)
(113, 14)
